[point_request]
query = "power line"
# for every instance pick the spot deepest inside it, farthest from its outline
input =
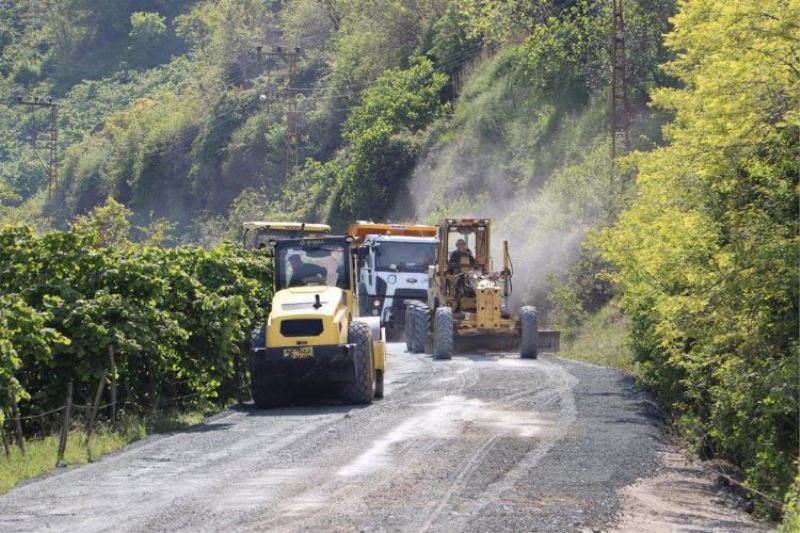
(52, 140)
(619, 114)
(289, 96)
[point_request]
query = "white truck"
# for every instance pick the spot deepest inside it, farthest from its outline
(392, 263)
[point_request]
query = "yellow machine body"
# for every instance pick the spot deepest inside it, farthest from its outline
(327, 311)
(471, 289)
(313, 336)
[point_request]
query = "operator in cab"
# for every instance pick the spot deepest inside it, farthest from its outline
(305, 273)
(459, 254)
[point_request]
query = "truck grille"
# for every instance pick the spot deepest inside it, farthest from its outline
(403, 295)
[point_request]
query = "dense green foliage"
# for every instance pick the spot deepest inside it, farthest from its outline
(707, 254)
(182, 136)
(527, 144)
(414, 109)
(177, 317)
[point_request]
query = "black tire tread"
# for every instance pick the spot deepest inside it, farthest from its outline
(529, 333)
(410, 325)
(266, 395)
(422, 324)
(443, 333)
(361, 389)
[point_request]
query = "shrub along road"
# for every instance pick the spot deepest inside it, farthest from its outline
(478, 443)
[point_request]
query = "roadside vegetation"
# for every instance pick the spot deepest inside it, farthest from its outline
(677, 263)
(41, 451)
(603, 340)
(177, 320)
(705, 258)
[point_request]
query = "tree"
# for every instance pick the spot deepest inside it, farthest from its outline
(147, 37)
(707, 255)
(383, 136)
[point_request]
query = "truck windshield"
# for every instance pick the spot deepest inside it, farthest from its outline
(404, 256)
(306, 264)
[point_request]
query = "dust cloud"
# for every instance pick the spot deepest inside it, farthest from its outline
(467, 178)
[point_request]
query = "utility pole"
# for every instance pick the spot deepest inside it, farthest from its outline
(620, 114)
(292, 145)
(292, 117)
(52, 139)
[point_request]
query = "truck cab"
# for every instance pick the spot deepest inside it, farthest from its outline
(392, 262)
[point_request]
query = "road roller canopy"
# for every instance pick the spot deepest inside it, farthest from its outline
(323, 261)
(257, 234)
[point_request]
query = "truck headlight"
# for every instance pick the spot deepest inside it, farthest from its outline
(392, 279)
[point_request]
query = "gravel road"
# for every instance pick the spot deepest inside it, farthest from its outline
(478, 443)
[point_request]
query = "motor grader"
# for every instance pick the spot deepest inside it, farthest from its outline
(313, 335)
(467, 300)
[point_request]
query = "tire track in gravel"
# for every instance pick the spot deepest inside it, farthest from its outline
(519, 472)
(376, 481)
(350, 487)
(528, 461)
(477, 443)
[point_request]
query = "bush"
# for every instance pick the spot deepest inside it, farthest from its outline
(707, 254)
(177, 318)
(383, 137)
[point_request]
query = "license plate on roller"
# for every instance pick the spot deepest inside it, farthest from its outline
(298, 353)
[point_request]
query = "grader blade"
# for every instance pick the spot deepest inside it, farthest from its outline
(549, 341)
(486, 342)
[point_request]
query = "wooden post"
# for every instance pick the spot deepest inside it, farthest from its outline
(5, 441)
(238, 382)
(113, 368)
(62, 444)
(95, 406)
(17, 423)
(152, 386)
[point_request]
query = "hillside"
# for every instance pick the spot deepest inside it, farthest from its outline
(198, 114)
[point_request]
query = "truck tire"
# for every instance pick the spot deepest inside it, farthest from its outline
(379, 383)
(363, 300)
(410, 325)
(529, 333)
(422, 324)
(258, 337)
(360, 389)
(443, 333)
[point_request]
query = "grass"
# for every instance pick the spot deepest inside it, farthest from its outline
(40, 452)
(601, 340)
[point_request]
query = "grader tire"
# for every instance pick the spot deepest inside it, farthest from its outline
(443, 333)
(361, 388)
(410, 325)
(422, 323)
(529, 338)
